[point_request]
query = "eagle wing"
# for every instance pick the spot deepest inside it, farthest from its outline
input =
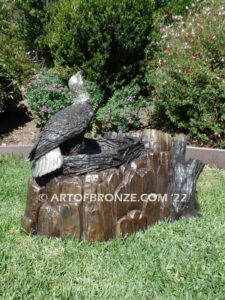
(64, 125)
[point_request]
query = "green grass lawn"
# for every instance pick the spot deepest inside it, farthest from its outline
(184, 260)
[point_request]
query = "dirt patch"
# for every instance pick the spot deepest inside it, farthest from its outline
(23, 135)
(17, 127)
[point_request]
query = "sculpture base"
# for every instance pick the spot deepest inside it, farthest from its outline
(110, 203)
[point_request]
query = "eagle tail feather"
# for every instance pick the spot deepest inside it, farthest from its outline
(47, 163)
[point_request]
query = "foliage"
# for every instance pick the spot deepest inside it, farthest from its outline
(167, 13)
(186, 78)
(95, 93)
(14, 63)
(15, 59)
(183, 260)
(106, 39)
(175, 7)
(9, 91)
(5, 11)
(122, 109)
(29, 26)
(46, 96)
(13, 54)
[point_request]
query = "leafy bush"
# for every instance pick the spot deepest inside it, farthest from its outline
(177, 7)
(106, 39)
(5, 15)
(13, 54)
(166, 14)
(9, 91)
(95, 93)
(47, 94)
(122, 109)
(15, 59)
(186, 79)
(29, 26)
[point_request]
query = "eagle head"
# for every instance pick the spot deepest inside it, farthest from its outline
(77, 88)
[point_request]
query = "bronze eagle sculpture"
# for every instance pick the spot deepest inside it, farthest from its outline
(64, 132)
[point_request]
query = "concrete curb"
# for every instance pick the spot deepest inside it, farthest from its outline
(16, 150)
(207, 155)
(210, 156)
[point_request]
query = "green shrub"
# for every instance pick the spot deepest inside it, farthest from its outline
(186, 79)
(5, 15)
(121, 110)
(29, 26)
(46, 96)
(13, 54)
(106, 39)
(9, 90)
(48, 93)
(177, 7)
(15, 59)
(167, 13)
(95, 93)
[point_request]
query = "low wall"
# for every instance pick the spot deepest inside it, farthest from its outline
(215, 157)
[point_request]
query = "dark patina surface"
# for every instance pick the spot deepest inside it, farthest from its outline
(152, 163)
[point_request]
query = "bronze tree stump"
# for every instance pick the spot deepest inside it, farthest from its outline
(70, 205)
